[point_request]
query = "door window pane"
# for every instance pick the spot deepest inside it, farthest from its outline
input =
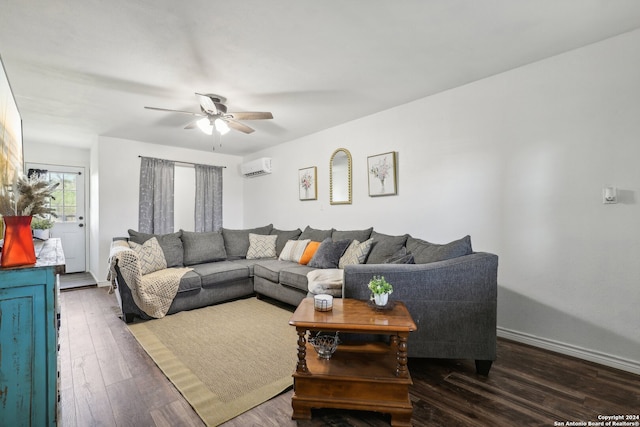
(64, 197)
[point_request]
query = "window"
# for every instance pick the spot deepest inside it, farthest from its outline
(64, 198)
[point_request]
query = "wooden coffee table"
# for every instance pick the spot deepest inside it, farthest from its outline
(370, 376)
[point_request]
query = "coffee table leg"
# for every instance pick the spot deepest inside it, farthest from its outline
(302, 351)
(401, 370)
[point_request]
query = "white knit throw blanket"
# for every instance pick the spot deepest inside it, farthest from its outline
(153, 293)
(326, 281)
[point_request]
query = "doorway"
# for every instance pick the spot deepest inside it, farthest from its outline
(69, 204)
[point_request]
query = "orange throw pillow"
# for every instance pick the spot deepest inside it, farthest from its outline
(311, 249)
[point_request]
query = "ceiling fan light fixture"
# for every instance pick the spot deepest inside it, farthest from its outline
(221, 126)
(205, 125)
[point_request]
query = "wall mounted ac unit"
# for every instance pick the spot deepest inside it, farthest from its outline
(256, 167)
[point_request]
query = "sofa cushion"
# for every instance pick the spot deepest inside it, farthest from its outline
(356, 253)
(283, 237)
(315, 234)
(150, 256)
(329, 253)
(214, 273)
(384, 246)
(296, 277)
(425, 252)
(202, 247)
(190, 282)
(170, 243)
(270, 269)
(309, 251)
(359, 235)
(236, 242)
(261, 246)
(293, 250)
(249, 263)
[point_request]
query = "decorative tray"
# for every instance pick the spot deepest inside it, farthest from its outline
(376, 307)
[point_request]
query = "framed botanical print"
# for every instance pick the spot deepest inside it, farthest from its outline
(382, 174)
(308, 183)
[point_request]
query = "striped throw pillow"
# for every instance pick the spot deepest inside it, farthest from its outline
(293, 250)
(356, 253)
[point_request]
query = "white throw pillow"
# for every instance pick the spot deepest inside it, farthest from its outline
(293, 250)
(356, 253)
(261, 246)
(150, 255)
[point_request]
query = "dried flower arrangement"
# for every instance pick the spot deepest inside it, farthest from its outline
(27, 196)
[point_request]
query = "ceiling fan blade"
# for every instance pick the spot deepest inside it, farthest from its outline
(212, 104)
(238, 126)
(207, 104)
(251, 115)
(175, 111)
(213, 97)
(192, 125)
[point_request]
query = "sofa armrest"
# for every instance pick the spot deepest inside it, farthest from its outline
(452, 302)
(469, 278)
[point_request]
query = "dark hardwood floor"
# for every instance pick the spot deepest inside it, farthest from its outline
(107, 379)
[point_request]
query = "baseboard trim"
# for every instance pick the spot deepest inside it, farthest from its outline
(571, 350)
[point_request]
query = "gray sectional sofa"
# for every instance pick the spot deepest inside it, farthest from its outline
(450, 291)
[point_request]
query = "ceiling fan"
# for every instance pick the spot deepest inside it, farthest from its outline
(214, 115)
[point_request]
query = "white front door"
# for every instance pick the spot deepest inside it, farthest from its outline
(69, 205)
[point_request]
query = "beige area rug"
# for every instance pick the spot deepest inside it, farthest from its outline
(224, 359)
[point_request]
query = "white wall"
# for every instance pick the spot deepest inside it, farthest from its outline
(518, 161)
(119, 174)
(35, 152)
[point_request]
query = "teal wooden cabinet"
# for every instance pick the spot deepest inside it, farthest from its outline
(29, 346)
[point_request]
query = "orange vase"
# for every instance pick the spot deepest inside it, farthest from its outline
(18, 242)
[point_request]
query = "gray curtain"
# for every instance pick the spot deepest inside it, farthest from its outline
(208, 210)
(155, 213)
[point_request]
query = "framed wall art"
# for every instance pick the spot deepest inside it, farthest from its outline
(308, 183)
(382, 174)
(11, 157)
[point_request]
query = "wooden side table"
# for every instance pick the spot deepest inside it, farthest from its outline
(370, 376)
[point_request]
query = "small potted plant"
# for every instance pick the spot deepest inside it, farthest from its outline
(41, 227)
(380, 289)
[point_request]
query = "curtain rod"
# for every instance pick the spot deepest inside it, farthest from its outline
(183, 163)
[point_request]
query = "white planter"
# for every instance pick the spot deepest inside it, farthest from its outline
(381, 299)
(41, 234)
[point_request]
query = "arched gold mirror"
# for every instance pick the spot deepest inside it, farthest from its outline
(340, 177)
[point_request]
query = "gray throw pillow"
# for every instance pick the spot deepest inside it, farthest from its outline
(425, 252)
(384, 246)
(401, 257)
(283, 237)
(359, 235)
(236, 242)
(329, 253)
(315, 234)
(203, 247)
(171, 245)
